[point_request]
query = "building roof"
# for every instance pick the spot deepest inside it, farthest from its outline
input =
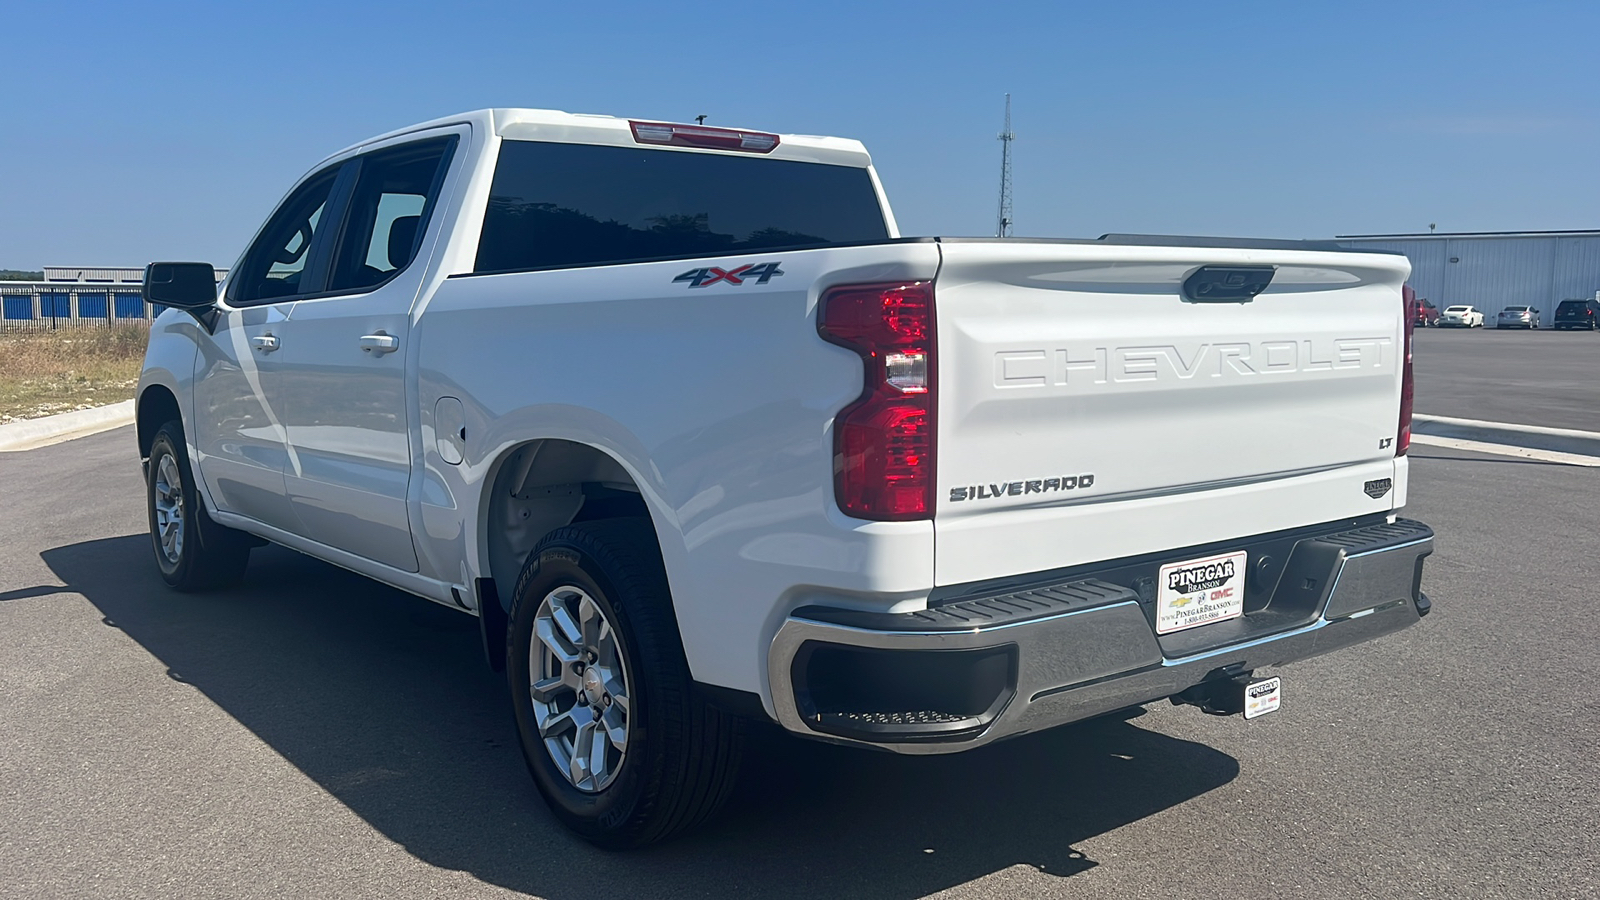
(1574, 232)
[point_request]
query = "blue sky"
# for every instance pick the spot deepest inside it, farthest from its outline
(134, 132)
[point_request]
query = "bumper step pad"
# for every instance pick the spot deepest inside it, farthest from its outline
(985, 612)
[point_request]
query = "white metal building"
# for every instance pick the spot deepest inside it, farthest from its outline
(1495, 269)
(94, 274)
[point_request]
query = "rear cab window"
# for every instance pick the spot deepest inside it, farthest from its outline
(554, 205)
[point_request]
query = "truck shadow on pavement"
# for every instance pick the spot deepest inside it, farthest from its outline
(384, 700)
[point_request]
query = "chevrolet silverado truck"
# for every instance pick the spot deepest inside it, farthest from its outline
(699, 438)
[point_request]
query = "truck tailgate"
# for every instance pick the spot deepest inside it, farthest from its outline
(1088, 411)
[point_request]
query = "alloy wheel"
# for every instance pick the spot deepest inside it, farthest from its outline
(579, 682)
(169, 509)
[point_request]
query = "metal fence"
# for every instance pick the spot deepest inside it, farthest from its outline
(36, 306)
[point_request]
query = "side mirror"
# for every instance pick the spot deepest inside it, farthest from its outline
(181, 285)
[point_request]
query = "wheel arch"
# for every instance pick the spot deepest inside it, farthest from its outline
(157, 406)
(542, 484)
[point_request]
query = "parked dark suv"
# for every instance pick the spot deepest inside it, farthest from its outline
(1583, 314)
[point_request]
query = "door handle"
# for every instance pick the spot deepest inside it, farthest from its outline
(379, 344)
(266, 343)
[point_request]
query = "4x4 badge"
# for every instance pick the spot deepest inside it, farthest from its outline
(710, 275)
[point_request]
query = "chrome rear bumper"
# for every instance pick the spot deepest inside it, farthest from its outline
(990, 666)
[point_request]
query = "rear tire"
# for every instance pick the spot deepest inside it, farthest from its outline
(193, 553)
(613, 732)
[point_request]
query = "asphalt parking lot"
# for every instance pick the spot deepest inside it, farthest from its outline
(1543, 377)
(315, 734)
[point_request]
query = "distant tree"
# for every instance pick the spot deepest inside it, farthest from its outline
(20, 275)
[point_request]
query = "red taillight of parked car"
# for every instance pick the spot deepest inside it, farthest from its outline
(1402, 440)
(883, 443)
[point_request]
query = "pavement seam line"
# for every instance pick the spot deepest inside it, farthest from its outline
(1535, 437)
(1555, 456)
(1506, 426)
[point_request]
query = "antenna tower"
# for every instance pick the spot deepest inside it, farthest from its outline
(1006, 137)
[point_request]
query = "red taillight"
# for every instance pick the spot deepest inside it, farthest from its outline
(1402, 440)
(883, 444)
(703, 136)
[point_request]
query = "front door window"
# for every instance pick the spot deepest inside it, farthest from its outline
(277, 264)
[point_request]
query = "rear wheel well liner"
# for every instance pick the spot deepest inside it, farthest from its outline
(544, 484)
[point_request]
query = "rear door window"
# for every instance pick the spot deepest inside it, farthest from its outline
(555, 205)
(388, 213)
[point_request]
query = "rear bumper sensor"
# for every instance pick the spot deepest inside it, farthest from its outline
(977, 669)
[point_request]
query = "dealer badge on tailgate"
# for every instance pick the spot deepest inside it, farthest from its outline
(1200, 591)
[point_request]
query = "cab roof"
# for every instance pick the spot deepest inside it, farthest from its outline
(587, 128)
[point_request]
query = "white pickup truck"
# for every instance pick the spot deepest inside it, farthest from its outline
(700, 439)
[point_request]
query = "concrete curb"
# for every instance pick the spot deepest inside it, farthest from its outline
(1559, 440)
(30, 433)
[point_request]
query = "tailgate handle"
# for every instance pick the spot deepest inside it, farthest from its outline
(1227, 284)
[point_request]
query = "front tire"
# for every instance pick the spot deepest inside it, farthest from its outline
(193, 553)
(618, 742)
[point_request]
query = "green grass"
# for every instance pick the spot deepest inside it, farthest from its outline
(47, 372)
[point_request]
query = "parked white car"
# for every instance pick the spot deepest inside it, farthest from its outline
(700, 439)
(1461, 317)
(1517, 317)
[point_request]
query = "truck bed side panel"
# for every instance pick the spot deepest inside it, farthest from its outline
(718, 399)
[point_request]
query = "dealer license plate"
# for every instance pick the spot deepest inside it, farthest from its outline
(1262, 697)
(1200, 591)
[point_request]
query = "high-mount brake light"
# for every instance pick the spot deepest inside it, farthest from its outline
(1408, 384)
(703, 136)
(883, 443)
